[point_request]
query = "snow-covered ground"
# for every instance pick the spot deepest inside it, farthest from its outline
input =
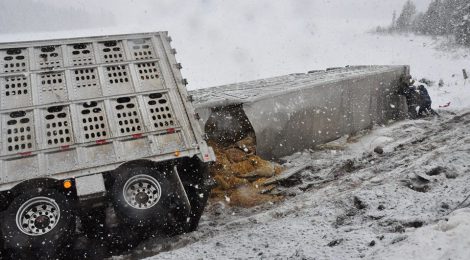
(354, 203)
(381, 207)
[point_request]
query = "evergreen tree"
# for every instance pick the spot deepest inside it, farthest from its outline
(406, 17)
(394, 20)
(448, 9)
(462, 23)
(433, 19)
(443, 17)
(419, 24)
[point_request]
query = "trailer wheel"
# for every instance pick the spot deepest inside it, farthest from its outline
(40, 221)
(142, 196)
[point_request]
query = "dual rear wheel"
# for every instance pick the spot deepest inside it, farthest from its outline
(169, 198)
(39, 222)
(42, 222)
(145, 196)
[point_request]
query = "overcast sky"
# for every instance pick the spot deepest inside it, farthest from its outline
(136, 11)
(229, 40)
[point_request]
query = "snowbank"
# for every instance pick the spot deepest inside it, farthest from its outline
(448, 239)
(354, 203)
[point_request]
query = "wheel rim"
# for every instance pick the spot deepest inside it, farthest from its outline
(142, 192)
(38, 216)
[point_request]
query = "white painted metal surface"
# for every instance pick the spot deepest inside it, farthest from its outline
(76, 107)
(299, 111)
(91, 186)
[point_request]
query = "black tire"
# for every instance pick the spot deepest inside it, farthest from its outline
(144, 210)
(195, 177)
(45, 233)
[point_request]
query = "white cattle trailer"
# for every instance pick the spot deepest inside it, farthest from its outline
(89, 119)
(290, 113)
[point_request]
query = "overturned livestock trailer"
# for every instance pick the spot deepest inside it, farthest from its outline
(290, 113)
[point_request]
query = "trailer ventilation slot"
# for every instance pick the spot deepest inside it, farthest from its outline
(127, 116)
(13, 60)
(117, 74)
(81, 54)
(149, 76)
(160, 111)
(93, 121)
(57, 126)
(49, 57)
(16, 91)
(85, 83)
(148, 71)
(85, 78)
(70, 104)
(142, 49)
(111, 51)
(19, 132)
(52, 87)
(117, 79)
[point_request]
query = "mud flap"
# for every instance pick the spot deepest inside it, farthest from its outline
(181, 193)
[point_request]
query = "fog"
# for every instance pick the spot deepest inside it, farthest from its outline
(218, 42)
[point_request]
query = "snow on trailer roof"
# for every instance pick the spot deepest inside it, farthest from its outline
(23, 42)
(251, 91)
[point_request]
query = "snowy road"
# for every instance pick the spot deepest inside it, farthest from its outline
(353, 204)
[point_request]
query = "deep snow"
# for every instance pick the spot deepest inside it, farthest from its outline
(382, 207)
(387, 207)
(325, 221)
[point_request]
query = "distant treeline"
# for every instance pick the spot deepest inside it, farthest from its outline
(443, 17)
(35, 16)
